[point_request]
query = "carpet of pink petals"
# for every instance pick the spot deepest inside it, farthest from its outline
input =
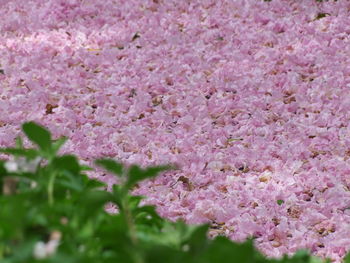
(250, 98)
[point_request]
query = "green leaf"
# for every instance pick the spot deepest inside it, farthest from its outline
(134, 201)
(24, 251)
(29, 153)
(164, 233)
(3, 170)
(70, 181)
(319, 260)
(93, 202)
(38, 134)
(3, 173)
(118, 195)
(224, 250)
(147, 215)
(114, 232)
(280, 202)
(19, 142)
(161, 254)
(57, 144)
(86, 168)
(94, 184)
(86, 230)
(300, 256)
(198, 241)
(137, 174)
(67, 163)
(111, 166)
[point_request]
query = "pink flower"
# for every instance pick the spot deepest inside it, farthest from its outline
(250, 98)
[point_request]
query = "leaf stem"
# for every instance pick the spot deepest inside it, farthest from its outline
(50, 188)
(132, 231)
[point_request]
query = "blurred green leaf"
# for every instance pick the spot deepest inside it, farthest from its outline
(67, 162)
(118, 195)
(94, 202)
(224, 250)
(86, 168)
(86, 230)
(3, 173)
(134, 201)
(347, 258)
(26, 251)
(71, 181)
(319, 260)
(198, 240)
(94, 184)
(301, 256)
(57, 144)
(38, 134)
(162, 254)
(12, 213)
(19, 142)
(147, 215)
(29, 153)
(111, 166)
(113, 233)
(2, 168)
(136, 174)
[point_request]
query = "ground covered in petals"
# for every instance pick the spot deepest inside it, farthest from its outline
(250, 98)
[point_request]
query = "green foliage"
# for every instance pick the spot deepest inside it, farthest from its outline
(347, 259)
(54, 213)
(38, 135)
(111, 166)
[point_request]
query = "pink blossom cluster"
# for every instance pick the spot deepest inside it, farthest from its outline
(250, 98)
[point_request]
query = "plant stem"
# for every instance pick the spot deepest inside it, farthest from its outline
(132, 230)
(50, 188)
